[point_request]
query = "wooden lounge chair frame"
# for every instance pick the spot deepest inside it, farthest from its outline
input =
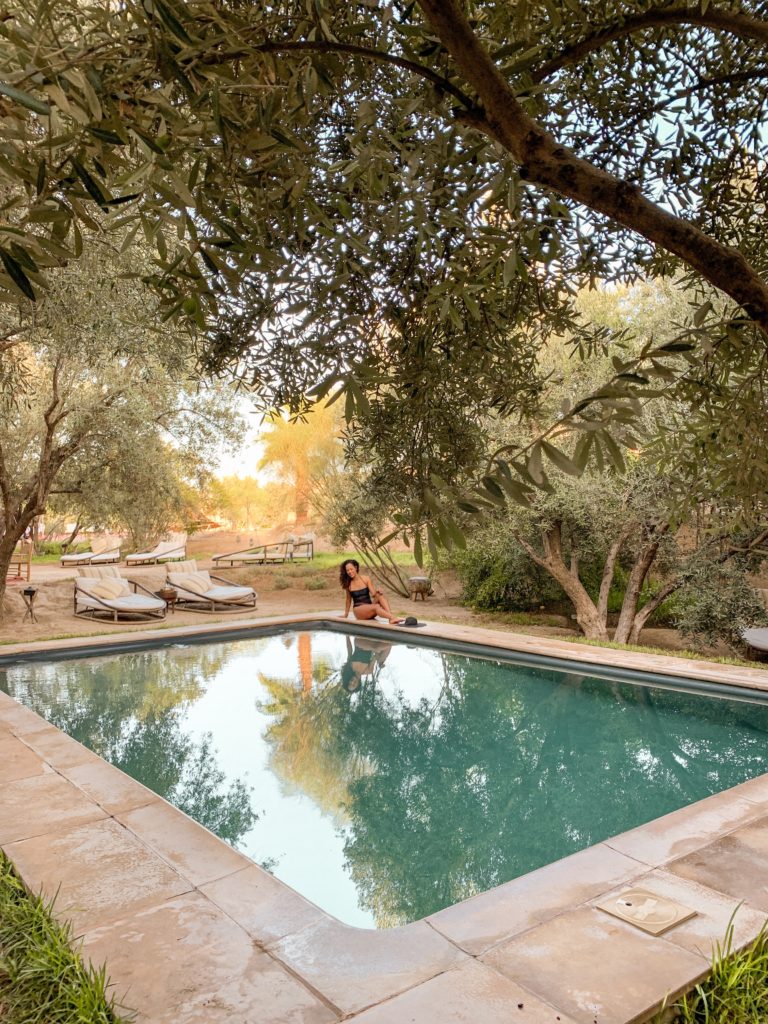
(210, 604)
(22, 561)
(115, 612)
(307, 545)
(261, 554)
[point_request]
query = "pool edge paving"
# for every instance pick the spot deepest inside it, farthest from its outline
(267, 963)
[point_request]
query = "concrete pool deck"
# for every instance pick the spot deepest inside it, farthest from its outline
(193, 931)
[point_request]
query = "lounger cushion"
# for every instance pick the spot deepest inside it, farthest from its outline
(106, 589)
(84, 556)
(100, 572)
(128, 603)
(190, 565)
(197, 582)
(106, 556)
(223, 593)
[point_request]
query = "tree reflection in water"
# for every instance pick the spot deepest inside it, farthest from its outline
(129, 710)
(510, 768)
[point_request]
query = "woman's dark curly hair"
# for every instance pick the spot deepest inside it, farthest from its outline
(344, 580)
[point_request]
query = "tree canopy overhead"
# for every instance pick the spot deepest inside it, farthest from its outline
(333, 190)
(264, 133)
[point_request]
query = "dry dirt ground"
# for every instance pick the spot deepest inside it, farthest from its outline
(281, 590)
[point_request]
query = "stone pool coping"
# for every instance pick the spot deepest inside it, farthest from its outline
(193, 931)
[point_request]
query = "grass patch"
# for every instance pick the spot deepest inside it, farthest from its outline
(42, 981)
(333, 559)
(736, 990)
(690, 655)
(317, 583)
(520, 619)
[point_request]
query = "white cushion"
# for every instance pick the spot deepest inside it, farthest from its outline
(125, 603)
(101, 572)
(84, 556)
(106, 556)
(190, 565)
(231, 593)
(106, 589)
(197, 582)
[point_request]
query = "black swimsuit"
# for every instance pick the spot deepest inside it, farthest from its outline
(361, 596)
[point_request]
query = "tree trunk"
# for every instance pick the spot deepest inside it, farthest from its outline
(648, 609)
(8, 542)
(71, 539)
(592, 623)
(637, 578)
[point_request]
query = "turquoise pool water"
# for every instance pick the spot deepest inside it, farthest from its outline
(385, 782)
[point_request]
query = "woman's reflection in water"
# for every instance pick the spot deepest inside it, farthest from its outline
(365, 658)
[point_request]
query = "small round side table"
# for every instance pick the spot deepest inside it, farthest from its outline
(28, 595)
(170, 596)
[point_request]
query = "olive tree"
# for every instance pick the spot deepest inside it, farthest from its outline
(307, 172)
(96, 390)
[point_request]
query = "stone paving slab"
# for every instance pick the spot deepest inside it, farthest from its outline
(264, 906)
(714, 912)
(184, 961)
(101, 871)
(686, 829)
(485, 920)
(596, 967)
(194, 851)
(42, 805)
(736, 864)
(17, 761)
(112, 789)
(58, 749)
(470, 994)
(358, 967)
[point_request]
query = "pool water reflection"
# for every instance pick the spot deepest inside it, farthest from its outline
(385, 782)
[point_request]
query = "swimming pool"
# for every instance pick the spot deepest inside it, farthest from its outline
(386, 781)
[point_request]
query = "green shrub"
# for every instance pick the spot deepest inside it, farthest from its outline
(41, 978)
(298, 570)
(281, 583)
(718, 602)
(317, 583)
(497, 575)
(55, 547)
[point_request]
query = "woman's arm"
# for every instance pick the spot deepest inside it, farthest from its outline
(374, 591)
(347, 603)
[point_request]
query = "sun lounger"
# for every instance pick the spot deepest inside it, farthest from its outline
(106, 557)
(81, 558)
(262, 555)
(101, 589)
(199, 591)
(165, 551)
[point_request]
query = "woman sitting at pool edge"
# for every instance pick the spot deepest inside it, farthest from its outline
(365, 601)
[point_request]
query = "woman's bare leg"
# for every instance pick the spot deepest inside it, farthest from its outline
(384, 602)
(370, 611)
(365, 611)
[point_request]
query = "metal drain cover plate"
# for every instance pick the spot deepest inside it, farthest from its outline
(647, 910)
